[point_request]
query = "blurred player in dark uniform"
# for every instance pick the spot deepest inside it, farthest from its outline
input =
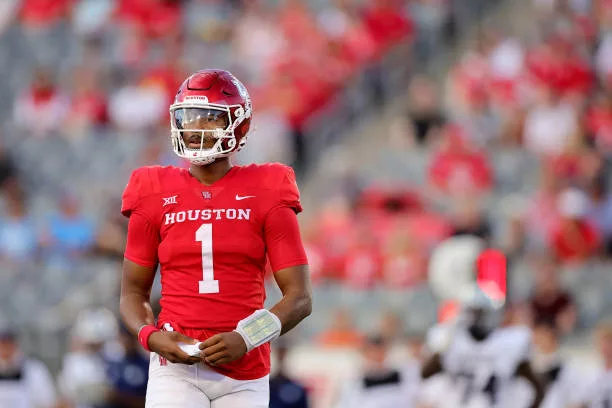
(24, 382)
(286, 392)
(211, 229)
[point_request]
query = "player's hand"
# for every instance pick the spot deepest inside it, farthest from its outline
(223, 348)
(166, 344)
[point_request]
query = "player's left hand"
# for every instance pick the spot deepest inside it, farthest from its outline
(223, 348)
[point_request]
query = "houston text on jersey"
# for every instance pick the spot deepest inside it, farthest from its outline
(207, 215)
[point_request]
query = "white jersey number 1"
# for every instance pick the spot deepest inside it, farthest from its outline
(208, 284)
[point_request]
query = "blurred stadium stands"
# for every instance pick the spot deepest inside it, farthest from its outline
(407, 121)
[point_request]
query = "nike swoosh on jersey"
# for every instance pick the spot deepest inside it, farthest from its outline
(238, 198)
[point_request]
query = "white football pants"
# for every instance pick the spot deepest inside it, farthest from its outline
(197, 386)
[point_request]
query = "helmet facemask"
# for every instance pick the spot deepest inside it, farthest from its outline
(202, 133)
(480, 314)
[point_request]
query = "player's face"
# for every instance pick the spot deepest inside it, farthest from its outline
(375, 355)
(8, 348)
(197, 124)
(605, 346)
(479, 324)
(545, 339)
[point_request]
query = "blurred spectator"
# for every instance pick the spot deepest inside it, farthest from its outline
(42, 108)
(541, 212)
(551, 125)
(83, 379)
(24, 382)
(603, 56)
(285, 392)
(341, 331)
(416, 347)
(128, 373)
(18, 235)
(424, 118)
(387, 22)
(8, 11)
(577, 166)
(254, 26)
(153, 18)
(600, 212)
(380, 385)
(111, 237)
(90, 17)
(468, 79)
(560, 378)
(316, 262)
(347, 31)
(9, 184)
(404, 263)
(599, 121)
(469, 220)
(390, 327)
(457, 169)
(361, 269)
(333, 234)
(574, 239)
(69, 232)
(431, 18)
(506, 60)
(403, 349)
(88, 103)
(168, 73)
(135, 108)
(598, 391)
(362, 262)
(480, 123)
(558, 64)
(270, 138)
(43, 13)
(550, 303)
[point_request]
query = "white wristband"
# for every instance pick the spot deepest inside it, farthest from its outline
(259, 328)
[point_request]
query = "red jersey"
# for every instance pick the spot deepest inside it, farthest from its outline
(211, 242)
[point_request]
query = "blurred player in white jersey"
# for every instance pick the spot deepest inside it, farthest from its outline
(481, 362)
(561, 379)
(598, 394)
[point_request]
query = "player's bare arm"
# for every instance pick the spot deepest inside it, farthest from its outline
(525, 371)
(295, 305)
(431, 367)
(136, 312)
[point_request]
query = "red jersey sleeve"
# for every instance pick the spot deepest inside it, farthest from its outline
(283, 240)
(288, 189)
(142, 237)
(142, 241)
(131, 195)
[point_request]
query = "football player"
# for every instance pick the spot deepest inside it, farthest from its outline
(479, 360)
(210, 229)
(598, 393)
(560, 377)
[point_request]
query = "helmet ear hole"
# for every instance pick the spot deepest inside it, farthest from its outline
(239, 112)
